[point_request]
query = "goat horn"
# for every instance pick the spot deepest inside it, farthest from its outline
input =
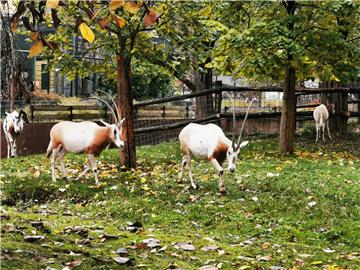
(233, 126)
(243, 123)
(107, 104)
(114, 103)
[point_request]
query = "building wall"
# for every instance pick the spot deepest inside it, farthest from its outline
(38, 65)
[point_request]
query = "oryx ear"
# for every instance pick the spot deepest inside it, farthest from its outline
(23, 115)
(243, 144)
(105, 124)
(6, 113)
(122, 120)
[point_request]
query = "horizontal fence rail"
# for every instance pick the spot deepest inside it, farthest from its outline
(161, 119)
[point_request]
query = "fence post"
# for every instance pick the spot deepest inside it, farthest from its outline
(106, 118)
(71, 116)
(163, 112)
(32, 110)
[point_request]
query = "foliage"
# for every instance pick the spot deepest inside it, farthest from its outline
(298, 211)
(148, 81)
(324, 42)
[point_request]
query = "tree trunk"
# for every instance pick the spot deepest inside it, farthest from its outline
(288, 117)
(11, 93)
(125, 106)
(204, 104)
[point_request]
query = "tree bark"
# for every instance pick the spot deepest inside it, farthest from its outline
(125, 106)
(337, 123)
(288, 117)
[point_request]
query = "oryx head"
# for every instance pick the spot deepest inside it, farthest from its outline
(235, 148)
(116, 128)
(17, 119)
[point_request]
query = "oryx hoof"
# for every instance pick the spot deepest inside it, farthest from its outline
(195, 186)
(223, 191)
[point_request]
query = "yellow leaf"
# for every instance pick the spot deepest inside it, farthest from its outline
(36, 48)
(52, 3)
(121, 22)
(115, 4)
(132, 7)
(86, 32)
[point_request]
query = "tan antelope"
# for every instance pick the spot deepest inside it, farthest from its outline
(321, 117)
(84, 137)
(208, 142)
(13, 125)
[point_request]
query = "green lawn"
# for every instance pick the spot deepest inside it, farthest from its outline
(300, 211)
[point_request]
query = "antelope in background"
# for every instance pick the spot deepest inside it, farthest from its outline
(321, 117)
(208, 142)
(84, 137)
(13, 125)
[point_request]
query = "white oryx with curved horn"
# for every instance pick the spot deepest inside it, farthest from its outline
(84, 137)
(208, 142)
(13, 125)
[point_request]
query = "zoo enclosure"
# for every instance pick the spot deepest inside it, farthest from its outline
(162, 119)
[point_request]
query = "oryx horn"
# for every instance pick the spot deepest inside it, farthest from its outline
(114, 103)
(243, 124)
(234, 120)
(107, 104)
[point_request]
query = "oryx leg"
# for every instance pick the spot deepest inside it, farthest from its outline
(328, 129)
(8, 144)
(220, 172)
(317, 133)
(94, 168)
(60, 157)
(13, 152)
(183, 164)
(186, 161)
(54, 154)
(323, 132)
(87, 168)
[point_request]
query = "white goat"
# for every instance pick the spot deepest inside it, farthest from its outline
(321, 117)
(84, 137)
(208, 142)
(13, 125)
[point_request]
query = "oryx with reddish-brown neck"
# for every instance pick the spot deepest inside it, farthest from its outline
(84, 137)
(208, 142)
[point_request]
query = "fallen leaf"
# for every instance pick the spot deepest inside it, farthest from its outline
(265, 258)
(208, 267)
(210, 248)
(185, 246)
(122, 251)
(33, 238)
(122, 260)
(311, 204)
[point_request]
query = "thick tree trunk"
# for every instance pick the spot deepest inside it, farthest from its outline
(337, 123)
(204, 104)
(125, 106)
(288, 119)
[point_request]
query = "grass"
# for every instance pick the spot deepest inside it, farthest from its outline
(299, 211)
